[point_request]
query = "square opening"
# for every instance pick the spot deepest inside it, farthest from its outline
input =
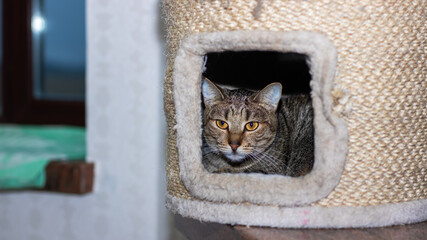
(256, 69)
(317, 56)
(289, 148)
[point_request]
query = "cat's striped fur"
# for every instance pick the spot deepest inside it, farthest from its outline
(282, 144)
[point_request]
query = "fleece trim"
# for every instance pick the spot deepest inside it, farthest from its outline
(330, 131)
(301, 217)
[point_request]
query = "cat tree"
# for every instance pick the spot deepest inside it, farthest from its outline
(369, 89)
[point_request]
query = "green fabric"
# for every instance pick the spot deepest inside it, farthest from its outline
(26, 150)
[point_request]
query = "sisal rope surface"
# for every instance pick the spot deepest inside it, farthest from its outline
(380, 84)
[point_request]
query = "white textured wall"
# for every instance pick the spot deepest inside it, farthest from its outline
(124, 77)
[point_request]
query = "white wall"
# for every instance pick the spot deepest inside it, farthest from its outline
(125, 138)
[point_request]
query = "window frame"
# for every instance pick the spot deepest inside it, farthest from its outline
(19, 104)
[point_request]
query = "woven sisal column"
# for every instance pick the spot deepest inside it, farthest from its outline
(376, 96)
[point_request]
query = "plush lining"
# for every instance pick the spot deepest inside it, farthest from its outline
(330, 131)
(301, 217)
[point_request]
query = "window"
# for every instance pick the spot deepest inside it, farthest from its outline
(43, 79)
(43, 76)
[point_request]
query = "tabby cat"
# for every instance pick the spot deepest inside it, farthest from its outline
(257, 132)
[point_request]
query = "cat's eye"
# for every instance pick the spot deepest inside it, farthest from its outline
(221, 124)
(250, 126)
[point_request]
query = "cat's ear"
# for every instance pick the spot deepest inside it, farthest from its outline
(211, 92)
(269, 96)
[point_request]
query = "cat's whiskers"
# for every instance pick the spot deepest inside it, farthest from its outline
(273, 162)
(281, 155)
(255, 160)
(293, 157)
(263, 160)
(274, 159)
(267, 165)
(276, 152)
(288, 168)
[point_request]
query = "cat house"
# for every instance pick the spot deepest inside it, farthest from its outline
(367, 65)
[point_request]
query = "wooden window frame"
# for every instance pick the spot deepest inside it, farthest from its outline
(19, 104)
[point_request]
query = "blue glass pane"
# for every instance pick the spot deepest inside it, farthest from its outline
(59, 49)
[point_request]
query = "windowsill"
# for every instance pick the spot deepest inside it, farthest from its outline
(69, 177)
(65, 177)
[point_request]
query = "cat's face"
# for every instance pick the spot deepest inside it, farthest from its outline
(239, 124)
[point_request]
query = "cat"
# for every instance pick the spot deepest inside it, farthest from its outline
(256, 132)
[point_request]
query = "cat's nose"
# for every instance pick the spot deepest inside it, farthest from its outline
(235, 141)
(234, 147)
